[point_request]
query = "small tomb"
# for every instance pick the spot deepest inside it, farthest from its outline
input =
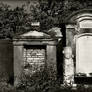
(34, 51)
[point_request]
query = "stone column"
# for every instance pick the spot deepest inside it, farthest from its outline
(51, 59)
(18, 60)
(68, 66)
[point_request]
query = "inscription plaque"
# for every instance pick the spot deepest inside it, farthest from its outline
(34, 59)
(84, 55)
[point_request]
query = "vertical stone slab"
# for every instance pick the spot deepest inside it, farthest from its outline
(68, 66)
(70, 33)
(51, 58)
(18, 60)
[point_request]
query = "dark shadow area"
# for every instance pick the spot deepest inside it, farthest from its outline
(11, 80)
(35, 46)
(83, 80)
(6, 61)
(60, 47)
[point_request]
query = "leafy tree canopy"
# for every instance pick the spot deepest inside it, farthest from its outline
(49, 13)
(54, 12)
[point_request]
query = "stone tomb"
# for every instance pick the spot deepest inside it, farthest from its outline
(79, 38)
(33, 51)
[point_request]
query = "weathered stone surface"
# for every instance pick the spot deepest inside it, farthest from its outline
(69, 71)
(51, 58)
(35, 58)
(68, 66)
(18, 62)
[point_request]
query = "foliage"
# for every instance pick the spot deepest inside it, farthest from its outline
(4, 85)
(41, 81)
(49, 13)
(13, 21)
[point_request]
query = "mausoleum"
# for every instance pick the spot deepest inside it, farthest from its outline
(79, 38)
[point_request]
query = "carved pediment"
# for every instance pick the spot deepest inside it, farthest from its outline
(79, 16)
(80, 20)
(35, 34)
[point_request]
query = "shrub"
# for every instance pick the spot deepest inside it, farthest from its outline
(43, 80)
(4, 85)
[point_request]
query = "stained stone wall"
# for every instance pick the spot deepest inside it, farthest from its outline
(6, 60)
